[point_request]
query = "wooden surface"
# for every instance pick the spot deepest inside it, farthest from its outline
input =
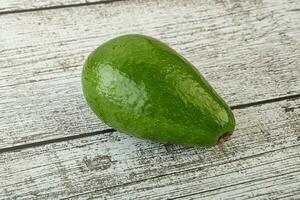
(245, 58)
(52, 146)
(263, 152)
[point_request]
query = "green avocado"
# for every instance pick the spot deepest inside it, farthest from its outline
(140, 86)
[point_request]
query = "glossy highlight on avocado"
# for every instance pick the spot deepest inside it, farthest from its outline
(140, 86)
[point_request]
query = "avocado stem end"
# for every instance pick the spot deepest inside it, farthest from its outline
(225, 137)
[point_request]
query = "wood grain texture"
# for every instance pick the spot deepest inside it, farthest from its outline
(11, 6)
(262, 159)
(248, 50)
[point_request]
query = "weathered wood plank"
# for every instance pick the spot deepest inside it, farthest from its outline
(262, 158)
(249, 51)
(26, 5)
(270, 175)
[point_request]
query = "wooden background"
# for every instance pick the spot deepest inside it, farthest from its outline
(53, 147)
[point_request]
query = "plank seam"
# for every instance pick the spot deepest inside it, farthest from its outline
(56, 140)
(266, 101)
(57, 7)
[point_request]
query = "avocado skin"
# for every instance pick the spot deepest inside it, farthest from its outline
(140, 86)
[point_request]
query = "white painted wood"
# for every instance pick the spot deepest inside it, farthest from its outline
(248, 50)
(262, 158)
(20, 5)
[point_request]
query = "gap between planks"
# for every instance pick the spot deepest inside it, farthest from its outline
(73, 137)
(57, 7)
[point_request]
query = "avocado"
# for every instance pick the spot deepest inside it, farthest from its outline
(140, 86)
